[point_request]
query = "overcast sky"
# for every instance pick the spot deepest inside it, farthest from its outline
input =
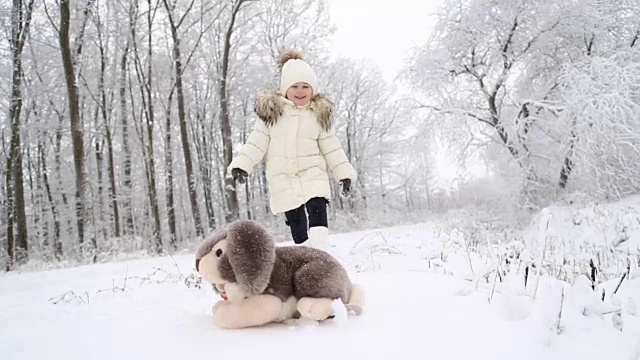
(382, 30)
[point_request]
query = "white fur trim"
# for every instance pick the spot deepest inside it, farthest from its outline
(294, 71)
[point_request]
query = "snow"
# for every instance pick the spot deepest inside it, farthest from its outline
(427, 297)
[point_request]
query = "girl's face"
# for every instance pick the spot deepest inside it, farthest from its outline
(299, 93)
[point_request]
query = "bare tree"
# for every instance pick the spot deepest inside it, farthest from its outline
(124, 124)
(145, 82)
(57, 245)
(601, 110)
(20, 22)
(231, 196)
(10, 218)
(295, 24)
(107, 140)
(204, 141)
(45, 108)
(69, 62)
(184, 136)
(366, 121)
(168, 156)
(496, 64)
(201, 63)
(605, 28)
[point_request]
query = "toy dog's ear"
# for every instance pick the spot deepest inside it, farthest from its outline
(252, 253)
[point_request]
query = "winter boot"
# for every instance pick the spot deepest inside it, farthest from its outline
(318, 238)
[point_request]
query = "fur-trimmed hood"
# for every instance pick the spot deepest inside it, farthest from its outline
(270, 104)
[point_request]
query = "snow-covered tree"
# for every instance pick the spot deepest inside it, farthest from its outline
(601, 113)
(501, 65)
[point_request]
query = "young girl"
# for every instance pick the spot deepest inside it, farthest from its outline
(296, 133)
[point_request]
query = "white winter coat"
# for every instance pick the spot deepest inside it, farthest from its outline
(300, 145)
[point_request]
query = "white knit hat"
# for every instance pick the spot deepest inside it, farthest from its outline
(293, 70)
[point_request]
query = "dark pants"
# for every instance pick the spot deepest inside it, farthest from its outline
(297, 218)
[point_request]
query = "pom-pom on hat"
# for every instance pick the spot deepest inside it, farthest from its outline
(294, 69)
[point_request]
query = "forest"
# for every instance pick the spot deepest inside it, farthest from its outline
(119, 117)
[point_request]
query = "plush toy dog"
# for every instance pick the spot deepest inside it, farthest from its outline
(262, 283)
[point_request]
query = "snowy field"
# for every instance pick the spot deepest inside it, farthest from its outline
(431, 295)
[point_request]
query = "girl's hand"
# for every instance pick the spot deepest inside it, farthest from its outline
(345, 185)
(239, 175)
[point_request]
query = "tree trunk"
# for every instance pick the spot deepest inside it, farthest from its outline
(20, 22)
(218, 165)
(567, 166)
(264, 188)
(203, 153)
(427, 190)
(146, 131)
(50, 191)
(247, 187)
(106, 139)
(11, 245)
(150, 117)
(502, 132)
(231, 195)
(168, 156)
(58, 171)
(112, 183)
(40, 224)
(57, 246)
(184, 134)
(153, 192)
(99, 154)
(207, 176)
(74, 114)
(124, 125)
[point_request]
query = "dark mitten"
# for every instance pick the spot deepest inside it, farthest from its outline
(239, 175)
(345, 184)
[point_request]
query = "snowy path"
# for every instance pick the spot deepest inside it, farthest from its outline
(412, 313)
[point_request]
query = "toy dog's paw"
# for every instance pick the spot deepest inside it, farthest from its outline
(316, 309)
(218, 307)
(223, 314)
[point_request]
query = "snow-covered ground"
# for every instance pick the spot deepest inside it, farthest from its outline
(429, 296)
